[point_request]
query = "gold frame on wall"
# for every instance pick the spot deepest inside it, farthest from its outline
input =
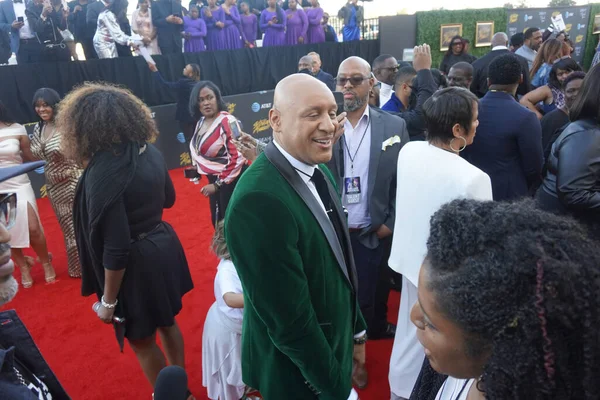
(447, 32)
(487, 40)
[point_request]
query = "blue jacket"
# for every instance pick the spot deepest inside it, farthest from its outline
(7, 17)
(507, 146)
(394, 104)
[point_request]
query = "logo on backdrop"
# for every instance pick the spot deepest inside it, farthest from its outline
(513, 18)
(39, 170)
(579, 39)
(568, 27)
(577, 50)
(181, 137)
(43, 191)
(556, 13)
(580, 26)
(260, 126)
(185, 159)
(583, 13)
(255, 107)
(528, 17)
(512, 31)
(542, 16)
(569, 14)
(231, 108)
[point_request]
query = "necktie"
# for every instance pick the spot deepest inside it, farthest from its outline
(319, 180)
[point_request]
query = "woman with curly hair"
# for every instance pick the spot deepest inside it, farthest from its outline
(508, 305)
(131, 259)
(429, 174)
(61, 175)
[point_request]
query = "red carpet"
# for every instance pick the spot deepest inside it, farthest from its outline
(83, 352)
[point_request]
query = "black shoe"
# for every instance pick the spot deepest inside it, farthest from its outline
(388, 333)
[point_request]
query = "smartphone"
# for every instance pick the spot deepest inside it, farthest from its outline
(339, 100)
(235, 130)
(20, 19)
(191, 173)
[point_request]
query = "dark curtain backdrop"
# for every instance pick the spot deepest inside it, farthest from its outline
(235, 72)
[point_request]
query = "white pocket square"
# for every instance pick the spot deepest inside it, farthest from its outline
(390, 142)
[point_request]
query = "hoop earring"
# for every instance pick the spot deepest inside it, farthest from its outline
(463, 146)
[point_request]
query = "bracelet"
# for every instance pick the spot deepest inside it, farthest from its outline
(108, 305)
(361, 340)
(218, 184)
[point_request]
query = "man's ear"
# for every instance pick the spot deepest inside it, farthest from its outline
(275, 119)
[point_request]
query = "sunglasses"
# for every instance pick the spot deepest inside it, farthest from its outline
(456, 43)
(354, 80)
(8, 209)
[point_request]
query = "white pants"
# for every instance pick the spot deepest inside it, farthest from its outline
(407, 354)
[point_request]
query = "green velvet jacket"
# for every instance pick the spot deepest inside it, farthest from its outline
(300, 307)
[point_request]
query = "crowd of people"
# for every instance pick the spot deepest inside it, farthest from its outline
(49, 30)
(471, 189)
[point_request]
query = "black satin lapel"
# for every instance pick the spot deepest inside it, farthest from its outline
(289, 174)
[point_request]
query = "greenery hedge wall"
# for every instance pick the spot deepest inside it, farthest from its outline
(592, 40)
(428, 27)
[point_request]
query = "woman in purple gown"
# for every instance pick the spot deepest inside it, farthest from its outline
(214, 17)
(234, 37)
(249, 25)
(297, 25)
(316, 34)
(272, 23)
(194, 31)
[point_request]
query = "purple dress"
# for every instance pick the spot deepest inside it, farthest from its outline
(275, 33)
(234, 37)
(215, 37)
(297, 26)
(316, 33)
(250, 27)
(197, 30)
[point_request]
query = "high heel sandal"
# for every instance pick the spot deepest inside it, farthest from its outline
(49, 272)
(26, 279)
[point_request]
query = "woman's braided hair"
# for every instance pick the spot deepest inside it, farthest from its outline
(523, 284)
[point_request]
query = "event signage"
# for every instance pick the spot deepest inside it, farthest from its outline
(575, 20)
(251, 109)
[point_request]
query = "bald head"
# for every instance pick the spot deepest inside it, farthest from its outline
(303, 118)
(499, 39)
(355, 63)
(306, 62)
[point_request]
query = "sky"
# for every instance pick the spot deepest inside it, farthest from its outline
(378, 8)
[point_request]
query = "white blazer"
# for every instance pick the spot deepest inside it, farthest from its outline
(428, 177)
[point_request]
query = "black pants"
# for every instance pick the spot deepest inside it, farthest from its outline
(30, 51)
(171, 44)
(55, 54)
(220, 200)
(382, 293)
(368, 262)
(88, 48)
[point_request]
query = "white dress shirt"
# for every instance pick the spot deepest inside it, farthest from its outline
(385, 93)
(499, 48)
(25, 32)
(306, 174)
(358, 213)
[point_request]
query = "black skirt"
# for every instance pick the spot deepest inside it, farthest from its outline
(155, 281)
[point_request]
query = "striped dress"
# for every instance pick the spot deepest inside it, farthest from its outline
(62, 176)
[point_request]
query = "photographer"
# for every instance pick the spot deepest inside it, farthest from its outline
(48, 19)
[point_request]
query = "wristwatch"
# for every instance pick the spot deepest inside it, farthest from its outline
(361, 340)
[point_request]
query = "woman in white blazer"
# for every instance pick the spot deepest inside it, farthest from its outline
(430, 174)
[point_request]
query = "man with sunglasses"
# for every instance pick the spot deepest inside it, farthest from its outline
(385, 68)
(24, 372)
(363, 164)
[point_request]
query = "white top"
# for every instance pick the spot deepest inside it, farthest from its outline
(499, 48)
(452, 387)
(358, 213)
(428, 177)
(385, 93)
(228, 281)
(25, 31)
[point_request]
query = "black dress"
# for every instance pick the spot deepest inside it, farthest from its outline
(118, 217)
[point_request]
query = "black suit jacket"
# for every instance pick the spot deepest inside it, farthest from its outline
(382, 172)
(425, 86)
(93, 11)
(168, 34)
(479, 86)
(326, 79)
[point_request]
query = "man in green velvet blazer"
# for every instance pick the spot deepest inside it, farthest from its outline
(287, 235)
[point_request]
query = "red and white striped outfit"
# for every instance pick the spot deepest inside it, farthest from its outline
(214, 152)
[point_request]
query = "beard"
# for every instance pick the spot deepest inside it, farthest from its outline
(354, 104)
(8, 290)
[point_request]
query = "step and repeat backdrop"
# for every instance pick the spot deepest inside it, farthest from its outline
(252, 109)
(576, 20)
